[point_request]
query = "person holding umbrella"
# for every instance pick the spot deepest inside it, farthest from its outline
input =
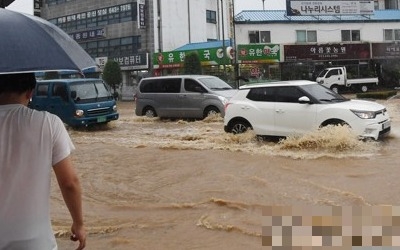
(32, 143)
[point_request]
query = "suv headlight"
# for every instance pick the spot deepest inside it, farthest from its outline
(364, 114)
(115, 108)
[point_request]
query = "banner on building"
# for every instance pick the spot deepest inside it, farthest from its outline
(141, 4)
(128, 62)
(385, 51)
(326, 52)
(88, 34)
(329, 7)
(258, 53)
(208, 57)
(133, 62)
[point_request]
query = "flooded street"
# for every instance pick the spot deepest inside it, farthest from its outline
(162, 184)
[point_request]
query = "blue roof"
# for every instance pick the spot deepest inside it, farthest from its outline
(279, 16)
(204, 45)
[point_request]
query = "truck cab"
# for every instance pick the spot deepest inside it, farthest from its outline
(333, 78)
(78, 102)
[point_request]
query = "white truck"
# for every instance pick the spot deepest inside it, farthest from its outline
(335, 78)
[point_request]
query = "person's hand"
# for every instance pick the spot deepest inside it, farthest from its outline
(78, 234)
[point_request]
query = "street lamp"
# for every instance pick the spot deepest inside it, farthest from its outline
(263, 4)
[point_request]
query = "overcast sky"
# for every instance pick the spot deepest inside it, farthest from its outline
(27, 6)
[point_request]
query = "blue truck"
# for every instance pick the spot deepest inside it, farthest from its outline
(78, 102)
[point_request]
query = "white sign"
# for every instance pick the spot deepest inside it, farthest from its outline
(141, 4)
(101, 62)
(319, 8)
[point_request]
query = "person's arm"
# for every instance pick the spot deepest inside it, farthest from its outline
(71, 190)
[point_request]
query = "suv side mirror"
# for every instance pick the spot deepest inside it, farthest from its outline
(304, 99)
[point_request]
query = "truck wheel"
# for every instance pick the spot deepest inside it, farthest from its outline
(335, 88)
(364, 88)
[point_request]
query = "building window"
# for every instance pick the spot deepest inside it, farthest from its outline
(391, 34)
(113, 47)
(350, 35)
(259, 36)
(306, 36)
(211, 16)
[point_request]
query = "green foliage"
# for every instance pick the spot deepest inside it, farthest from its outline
(112, 74)
(377, 95)
(192, 64)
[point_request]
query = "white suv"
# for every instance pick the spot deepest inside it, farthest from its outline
(297, 107)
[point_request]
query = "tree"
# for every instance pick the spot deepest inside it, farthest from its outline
(192, 64)
(112, 75)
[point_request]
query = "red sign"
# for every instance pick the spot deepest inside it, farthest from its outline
(325, 52)
(385, 50)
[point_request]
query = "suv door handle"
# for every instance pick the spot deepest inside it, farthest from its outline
(280, 111)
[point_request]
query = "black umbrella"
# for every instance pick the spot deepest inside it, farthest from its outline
(30, 44)
(5, 3)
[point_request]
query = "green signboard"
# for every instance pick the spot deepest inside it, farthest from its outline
(176, 59)
(258, 53)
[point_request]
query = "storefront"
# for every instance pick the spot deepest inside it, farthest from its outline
(306, 61)
(133, 68)
(214, 61)
(259, 62)
(387, 59)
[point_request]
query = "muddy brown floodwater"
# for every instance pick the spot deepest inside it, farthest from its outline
(174, 184)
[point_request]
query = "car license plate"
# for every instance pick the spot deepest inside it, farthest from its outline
(385, 125)
(101, 119)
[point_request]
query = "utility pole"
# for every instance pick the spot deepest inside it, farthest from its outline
(235, 61)
(263, 4)
(223, 39)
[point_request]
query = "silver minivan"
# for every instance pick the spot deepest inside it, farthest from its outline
(183, 96)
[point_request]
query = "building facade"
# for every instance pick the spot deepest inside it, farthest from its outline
(132, 31)
(273, 45)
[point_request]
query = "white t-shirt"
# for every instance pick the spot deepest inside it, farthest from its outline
(31, 142)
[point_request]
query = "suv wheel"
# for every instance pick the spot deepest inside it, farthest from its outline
(240, 126)
(149, 112)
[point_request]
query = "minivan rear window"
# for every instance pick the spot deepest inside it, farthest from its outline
(170, 85)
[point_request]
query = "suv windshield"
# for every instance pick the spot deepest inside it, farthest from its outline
(323, 94)
(215, 83)
(90, 91)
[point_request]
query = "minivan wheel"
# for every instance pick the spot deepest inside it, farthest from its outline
(149, 112)
(239, 127)
(210, 111)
